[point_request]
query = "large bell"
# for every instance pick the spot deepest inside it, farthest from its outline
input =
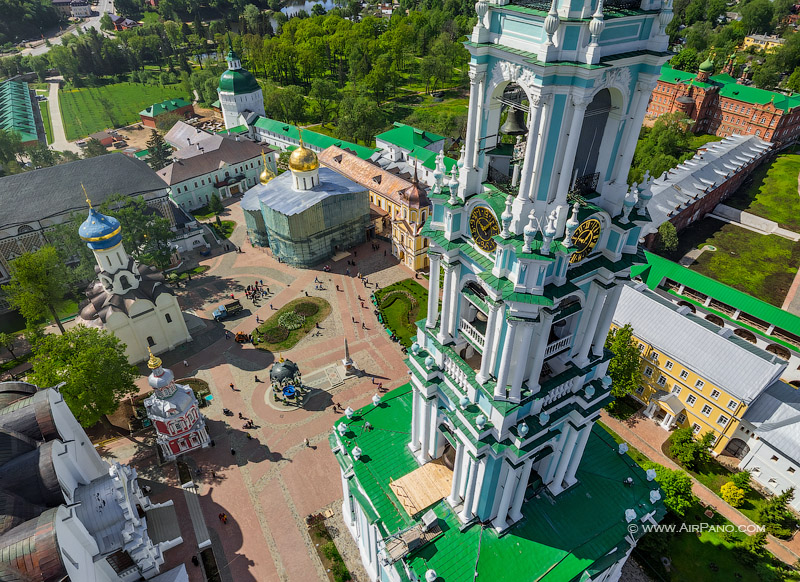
(515, 122)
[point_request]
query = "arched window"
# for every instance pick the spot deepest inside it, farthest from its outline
(123, 280)
(168, 318)
(24, 229)
(150, 341)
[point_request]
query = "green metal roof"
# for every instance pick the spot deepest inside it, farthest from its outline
(238, 81)
(237, 129)
(408, 137)
(728, 87)
(164, 107)
(312, 138)
(658, 268)
(556, 541)
(16, 110)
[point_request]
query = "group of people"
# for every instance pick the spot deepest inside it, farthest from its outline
(258, 289)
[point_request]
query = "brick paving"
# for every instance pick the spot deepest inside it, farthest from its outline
(272, 481)
(647, 436)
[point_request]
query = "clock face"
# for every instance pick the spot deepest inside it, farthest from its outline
(585, 237)
(483, 227)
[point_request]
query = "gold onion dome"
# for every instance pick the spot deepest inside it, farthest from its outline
(154, 362)
(303, 159)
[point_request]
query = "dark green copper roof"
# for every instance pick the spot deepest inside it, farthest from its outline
(238, 82)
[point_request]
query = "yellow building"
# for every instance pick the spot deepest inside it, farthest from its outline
(694, 373)
(763, 41)
(403, 203)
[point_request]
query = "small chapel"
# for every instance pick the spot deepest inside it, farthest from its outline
(308, 214)
(130, 300)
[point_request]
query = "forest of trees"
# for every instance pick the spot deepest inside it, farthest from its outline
(24, 19)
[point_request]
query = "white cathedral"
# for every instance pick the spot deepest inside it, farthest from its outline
(130, 300)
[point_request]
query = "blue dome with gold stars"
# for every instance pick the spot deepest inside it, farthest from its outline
(100, 231)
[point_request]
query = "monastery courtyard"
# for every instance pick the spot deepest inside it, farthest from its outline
(273, 481)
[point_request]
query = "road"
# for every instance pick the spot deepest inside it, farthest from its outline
(60, 143)
(93, 22)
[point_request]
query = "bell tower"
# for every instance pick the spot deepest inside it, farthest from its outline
(531, 236)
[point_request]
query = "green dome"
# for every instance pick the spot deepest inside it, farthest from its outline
(238, 82)
(707, 66)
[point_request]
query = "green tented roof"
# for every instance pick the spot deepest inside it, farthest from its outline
(408, 137)
(658, 268)
(728, 87)
(238, 82)
(557, 539)
(164, 107)
(16, 110)
(312, 138)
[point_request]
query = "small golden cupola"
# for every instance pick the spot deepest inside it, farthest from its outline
(304, 165)
(266, 174)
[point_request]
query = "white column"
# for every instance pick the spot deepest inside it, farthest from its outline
(479, 475)
(594, 316)
(542, 335)
(497, 330)
(466, 513)
(634, 124)
(552, 463)
(500, 522)
(475, 80)
(505, 360)
(433, 290)
(455, 487)
(515, 514)
(534, 115)
(452, 318)
(347, 508)
(604, 325)
(577, 455)
(434, 431)
(478, 121)
(446, 302)
(489, 342)
(424, 433)
(523, 349)
(465, 462)
(578, 111)
(414, 444)
(545, 118)
(566, 455)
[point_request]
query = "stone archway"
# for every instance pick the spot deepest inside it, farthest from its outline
(737, 448)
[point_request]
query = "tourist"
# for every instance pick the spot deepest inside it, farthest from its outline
(271, 307)
(240, 416)
(305, 442)
(363, 325)
(232, 388)
(220, 516)
(233, 452)
(185, 364)
(195, 561)
(227, 335)
(257, 380)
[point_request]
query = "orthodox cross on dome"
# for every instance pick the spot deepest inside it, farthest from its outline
(85, 193)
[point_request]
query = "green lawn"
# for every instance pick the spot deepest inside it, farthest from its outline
(398, 312)
(224, 229)
(772, 194)
(88, 110)
(197, 271)
(697, 141)
(760, 265)
(203, 213)
(44, 107)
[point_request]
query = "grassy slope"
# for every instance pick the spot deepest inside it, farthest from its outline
(773, 192)
(88, 110)
(44, 107)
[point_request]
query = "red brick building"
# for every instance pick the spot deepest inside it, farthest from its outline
(721, 106)
(150, 115)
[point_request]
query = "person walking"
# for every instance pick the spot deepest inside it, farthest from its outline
(305, 442)
(232, 388)
(185, 364)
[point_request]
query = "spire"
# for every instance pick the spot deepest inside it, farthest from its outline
(89, 202)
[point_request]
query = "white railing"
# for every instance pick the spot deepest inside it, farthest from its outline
(557, 346)
(472, 333)
(456, 373)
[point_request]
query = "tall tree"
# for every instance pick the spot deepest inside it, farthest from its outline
(145, 234)
(325, 96)
(215, 205)
(667, 238)
(7, 341)
(757, 16)
(38, 285)
(158, 151)
(624, 366)
(93, 366)
(677, 488)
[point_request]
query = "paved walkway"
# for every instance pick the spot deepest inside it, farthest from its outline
(644, 434)
(269, 484)
(60, 142)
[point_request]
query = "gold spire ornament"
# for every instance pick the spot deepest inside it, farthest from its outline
(154, 362)
(303, 159)
(85, 193)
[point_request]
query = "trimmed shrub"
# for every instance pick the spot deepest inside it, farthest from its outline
(275, 334)
(306, 309)
(732, 494)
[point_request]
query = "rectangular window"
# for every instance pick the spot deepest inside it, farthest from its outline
(639, 389)
(641, 347)
(676, 389)
(654, 356)
(732, 405)
(706, 410)
(691, 399)
(684, 374)
(662, 380)
(668, 365)
(681, 418)
(722, 420)
(699, 384)
(648, 371)
(695, 428)
(715, 394)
